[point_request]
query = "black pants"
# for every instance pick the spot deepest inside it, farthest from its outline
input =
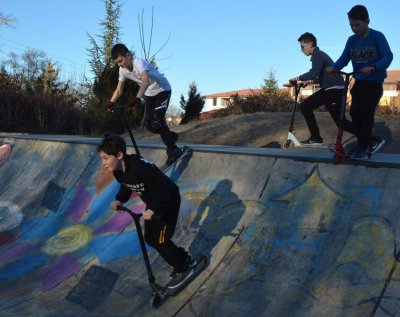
(156, 107)
(365, 98)
(332, 99)
(158, 234)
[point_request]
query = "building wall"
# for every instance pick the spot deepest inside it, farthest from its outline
(215, 103)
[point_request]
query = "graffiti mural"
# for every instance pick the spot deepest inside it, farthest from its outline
(306, 246)
(49, 249)
(305, 241)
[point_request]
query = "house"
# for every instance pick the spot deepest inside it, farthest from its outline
(391, 89)
(221, 100)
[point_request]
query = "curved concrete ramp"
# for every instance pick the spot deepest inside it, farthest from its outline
(284, 237)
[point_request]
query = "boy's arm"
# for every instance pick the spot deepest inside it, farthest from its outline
(384, 52)
(316, 68)
(344, 59)
(123, 194)
(144, 77)
(118, 91)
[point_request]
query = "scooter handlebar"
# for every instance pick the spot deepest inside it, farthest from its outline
(335, 71)
(296, 83)
(135, 215)
(120, 107)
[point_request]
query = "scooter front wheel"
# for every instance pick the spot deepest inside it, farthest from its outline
(156, 300)
(286, 145)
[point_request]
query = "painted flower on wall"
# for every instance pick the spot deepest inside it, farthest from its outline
(51, 248)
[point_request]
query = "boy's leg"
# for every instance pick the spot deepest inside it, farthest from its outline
(334, 103)
(365, 100)
(307, 108)
(158, 234)
(156, 108)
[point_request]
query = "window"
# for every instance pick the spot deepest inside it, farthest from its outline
(214, 103)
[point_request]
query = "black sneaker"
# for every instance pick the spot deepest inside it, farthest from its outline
(376, 143)
(191, 261)
(173, 156)
(177, 278)
(359, 153)
(313, 141)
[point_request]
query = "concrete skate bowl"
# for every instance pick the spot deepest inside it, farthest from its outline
(285, 237)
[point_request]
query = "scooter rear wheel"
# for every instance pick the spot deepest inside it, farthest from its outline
(286, 145)
(156, 300)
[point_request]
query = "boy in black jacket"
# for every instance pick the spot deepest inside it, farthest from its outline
(161, 196)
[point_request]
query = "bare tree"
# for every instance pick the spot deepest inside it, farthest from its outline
(146, 49)
(6, 20)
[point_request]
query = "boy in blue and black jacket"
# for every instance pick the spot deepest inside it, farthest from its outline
(370, 55)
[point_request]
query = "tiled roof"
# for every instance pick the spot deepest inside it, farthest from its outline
(241, 93)
(393, 76)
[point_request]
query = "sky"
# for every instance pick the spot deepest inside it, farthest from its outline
(221, 45)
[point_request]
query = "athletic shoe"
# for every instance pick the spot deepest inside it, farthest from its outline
(351, 148)
(177, 278)
(191, 261)
(313, 141)
(360, 153)
(376, 143)
(173, 156)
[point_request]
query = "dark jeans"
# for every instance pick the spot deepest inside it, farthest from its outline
(158, 234)
(332, 99)
(156, 107)
(365, 98)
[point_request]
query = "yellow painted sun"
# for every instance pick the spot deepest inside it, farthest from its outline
(68, 240)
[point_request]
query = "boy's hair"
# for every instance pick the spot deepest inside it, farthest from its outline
(358, 12)
(112, 144)
(308, 37)
(119, 50)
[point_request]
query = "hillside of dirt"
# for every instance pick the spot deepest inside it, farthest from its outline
(269, 129)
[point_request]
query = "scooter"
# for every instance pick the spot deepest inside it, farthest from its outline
(291, 139)
(161, 293)
(340, 152)
(122, 108)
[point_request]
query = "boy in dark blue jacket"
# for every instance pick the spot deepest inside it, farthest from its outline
(370, 55)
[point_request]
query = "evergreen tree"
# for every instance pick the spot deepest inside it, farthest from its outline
(270, 85)
(193, 105)
(100, 53)
(106, 72)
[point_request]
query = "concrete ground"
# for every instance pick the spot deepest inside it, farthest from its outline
(287, 233)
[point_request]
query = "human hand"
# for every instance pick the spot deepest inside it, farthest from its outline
(110, 105)
(134, 102)
(148, 214)
(115, 204)
(367, 70)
